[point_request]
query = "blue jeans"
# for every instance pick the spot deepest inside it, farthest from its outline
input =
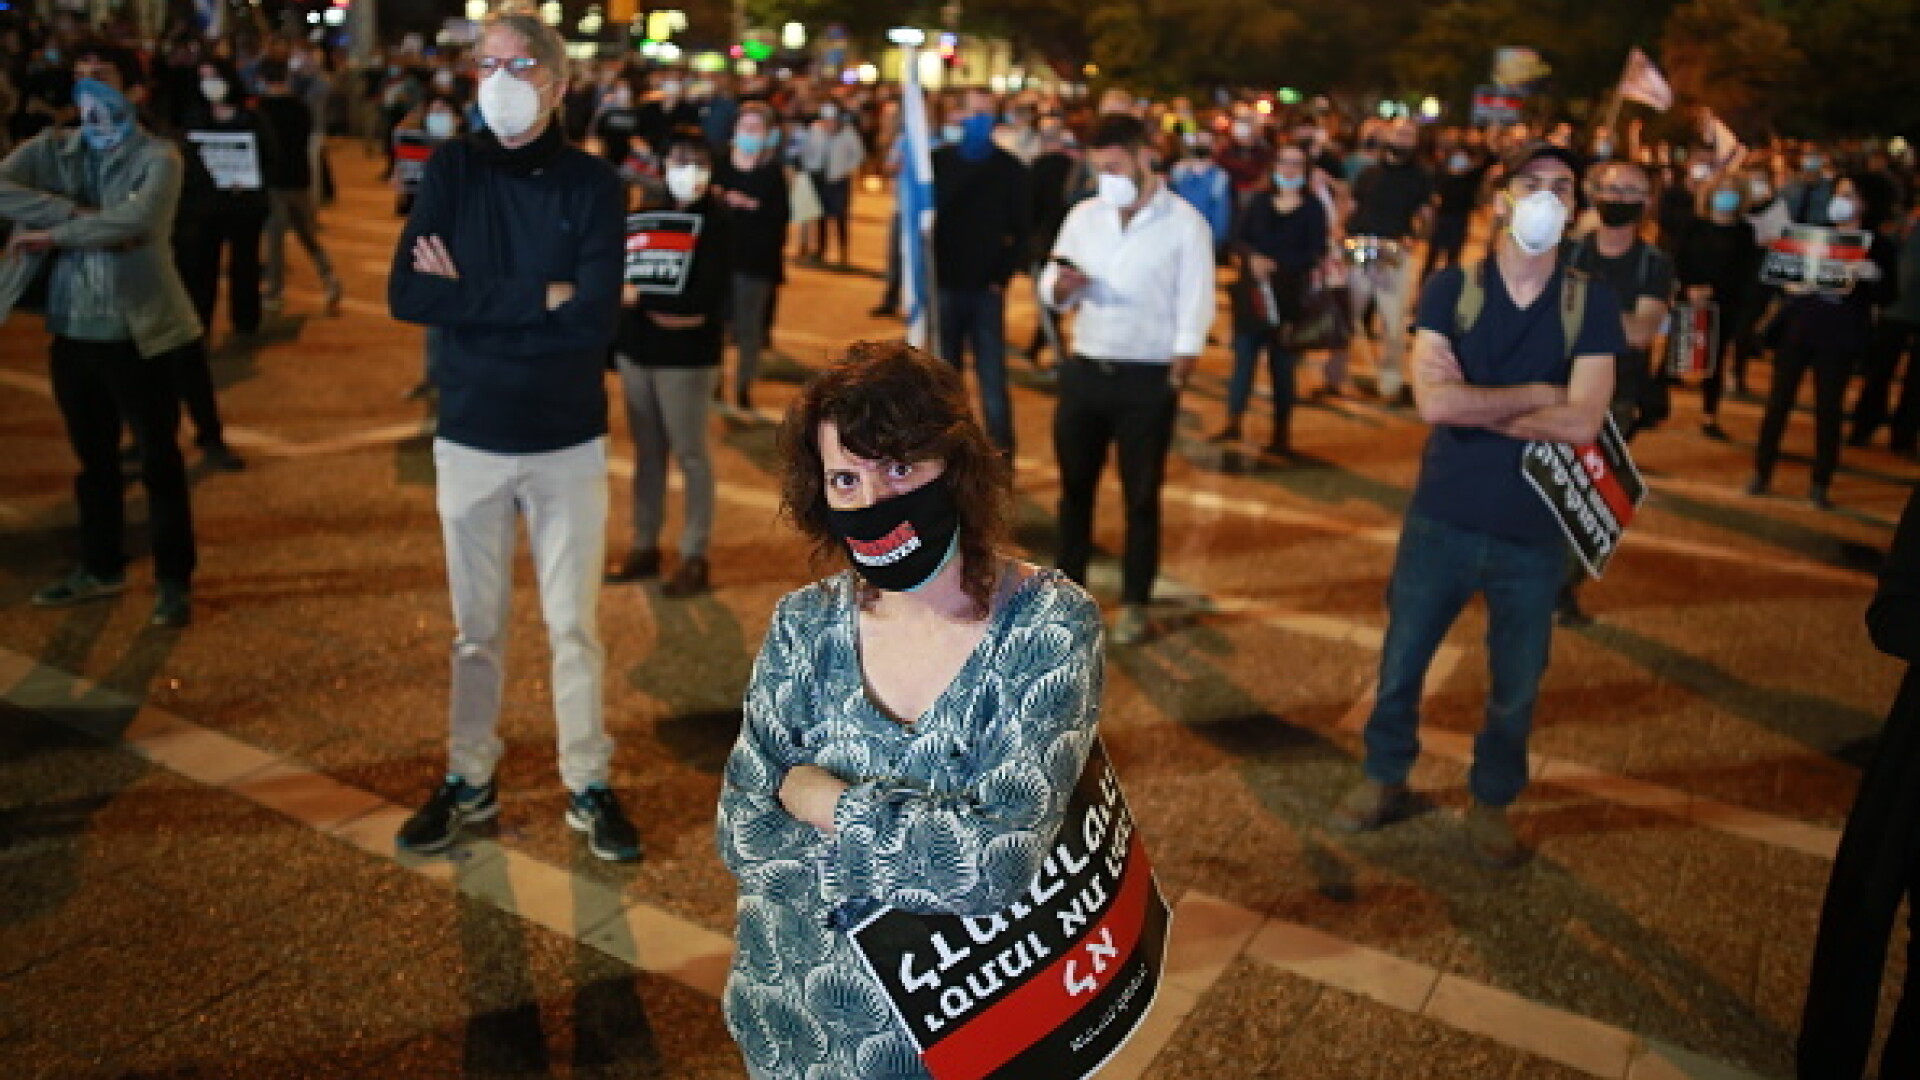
(1437, 570)
(1280, 363)
(979, 317)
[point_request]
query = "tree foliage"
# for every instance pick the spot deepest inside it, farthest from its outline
(1814, 66)
(1734, 58)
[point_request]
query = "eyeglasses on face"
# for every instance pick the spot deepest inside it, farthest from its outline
(517, 66)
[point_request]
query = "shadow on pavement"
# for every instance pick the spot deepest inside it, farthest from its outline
(1542, 931)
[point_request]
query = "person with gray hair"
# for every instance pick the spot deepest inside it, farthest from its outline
(514, 254)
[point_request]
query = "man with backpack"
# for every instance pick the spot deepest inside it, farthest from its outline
(1513, 350)
(1642, 277)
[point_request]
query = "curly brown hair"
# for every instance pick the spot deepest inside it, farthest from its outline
(892, 402)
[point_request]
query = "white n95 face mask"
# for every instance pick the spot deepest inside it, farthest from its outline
(1840, 208)
(1538, 221)
(1119, 191)
(510, 105)
(686, 182)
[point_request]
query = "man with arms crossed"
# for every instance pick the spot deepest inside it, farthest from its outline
(514, 252)
(1475, 525)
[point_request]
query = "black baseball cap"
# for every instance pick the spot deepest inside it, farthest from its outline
(1529, 152)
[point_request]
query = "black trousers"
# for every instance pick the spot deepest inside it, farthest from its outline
(193, 381)
(1891, 338)
(1133, 405)
(197, 249)
(1876, 867)
(1831, 370)
(99, 386)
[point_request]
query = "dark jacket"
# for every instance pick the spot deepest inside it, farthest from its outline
(1835, 325)
(291, 122)
(759, 234)
(199, 197)
(1879, 848)
(515, 378)
(648, 344)
(982, 211)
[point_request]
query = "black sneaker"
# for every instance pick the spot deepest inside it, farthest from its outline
(433, 826)
(78, 588)
(597, 813)
(174, 607)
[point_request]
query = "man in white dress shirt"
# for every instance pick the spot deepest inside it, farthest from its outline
(1137, 265)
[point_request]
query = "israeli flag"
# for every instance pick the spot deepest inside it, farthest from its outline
(913, 198)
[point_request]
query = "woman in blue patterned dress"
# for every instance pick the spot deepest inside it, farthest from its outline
(915, 723)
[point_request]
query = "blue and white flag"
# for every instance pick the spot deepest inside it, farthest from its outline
(913, 199)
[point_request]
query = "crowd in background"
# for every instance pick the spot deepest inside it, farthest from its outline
(843, 139)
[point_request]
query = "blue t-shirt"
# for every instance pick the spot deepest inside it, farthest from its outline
(1469, 476)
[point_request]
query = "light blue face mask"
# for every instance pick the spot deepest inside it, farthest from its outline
(749, 144)
(1289, 183)
(1725, 202)
(106, 117)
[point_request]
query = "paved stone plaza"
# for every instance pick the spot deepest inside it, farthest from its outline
(197, 875)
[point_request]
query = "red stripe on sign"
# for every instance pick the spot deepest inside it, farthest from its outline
(1615, 495)
(1843, 252)
(1027, 1015)
(660, 241)
(412, 153)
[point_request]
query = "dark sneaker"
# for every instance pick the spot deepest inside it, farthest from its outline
(1368, 805)
(174, 608)
(1817, 495)
(433, 826)
(640, 565)
(1132, 627)
(1757, 486)
(78, 588)
(221, 456)
(1490, 837)
(690, 579)
(597, 813)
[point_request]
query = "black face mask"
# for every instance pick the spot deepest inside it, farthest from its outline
(1616, 214)
(899, 544)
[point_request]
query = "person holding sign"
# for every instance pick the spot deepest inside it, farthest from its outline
(513, 257)
(915, 724)
(1513, 350)
(224, 207)
(1719, 261)
(1825, 330)
(679, 266)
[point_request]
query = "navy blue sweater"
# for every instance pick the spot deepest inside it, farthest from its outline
(515, 378)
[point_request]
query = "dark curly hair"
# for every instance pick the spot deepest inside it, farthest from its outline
(892, 402)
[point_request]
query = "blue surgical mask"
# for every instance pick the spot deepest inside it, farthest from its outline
(749, 144)
(951, 134)
(1289, 183)
(106, 117)
(1725, 202)
(976, 136)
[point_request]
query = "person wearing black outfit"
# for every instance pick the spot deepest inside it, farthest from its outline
(220, 213)
(1457, 191)
(1827, 334)
(753, 185)
(1641, 277)
(1877, 865)
(1718, 260)
(668, 352)
(1057, 179)
(1279, 240)
(979, 243)
(616, 121)
(1897, 333)
(514, 252)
